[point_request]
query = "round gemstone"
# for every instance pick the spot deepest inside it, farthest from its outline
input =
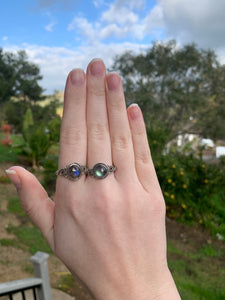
(74, 171)
(100, 171)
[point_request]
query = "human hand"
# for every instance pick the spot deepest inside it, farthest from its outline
(110, 232)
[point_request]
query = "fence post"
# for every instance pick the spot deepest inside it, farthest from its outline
(39, 261)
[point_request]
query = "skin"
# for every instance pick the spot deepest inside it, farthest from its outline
(110, 233)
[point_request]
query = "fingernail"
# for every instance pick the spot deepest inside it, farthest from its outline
(14, 177)
(113, 81)
(134, 111)
(77, 77)
(97, 67)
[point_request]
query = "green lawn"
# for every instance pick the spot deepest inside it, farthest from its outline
(10, 153)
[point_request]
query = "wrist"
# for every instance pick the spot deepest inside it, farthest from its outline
(164, 289)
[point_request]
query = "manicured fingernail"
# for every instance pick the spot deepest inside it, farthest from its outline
(134, 111)
(97, 67)
(113, 81)
(14, 177)
(77, 77)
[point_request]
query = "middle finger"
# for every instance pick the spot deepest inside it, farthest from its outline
(99, 147)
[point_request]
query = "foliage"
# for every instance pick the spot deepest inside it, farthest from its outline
(19, 77)
(50, 165)
(9, 153)
(54, 129)
(37, 144)
(180, 88)
(193, 191)
(27, 123)
(39, 138)
(14, 110)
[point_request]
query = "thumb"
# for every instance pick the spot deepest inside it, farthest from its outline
(34, 200)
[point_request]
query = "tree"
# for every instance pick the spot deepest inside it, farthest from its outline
(19, 77)
(7, 76)
(41, 114)
(176, 87)
(37, 139)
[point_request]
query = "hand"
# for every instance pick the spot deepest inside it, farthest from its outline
(109, 232)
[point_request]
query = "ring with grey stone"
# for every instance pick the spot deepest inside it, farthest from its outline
(101, 171)
(72, 171)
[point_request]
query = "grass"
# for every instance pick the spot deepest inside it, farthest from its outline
(30, 237)
(68, 284)
(14, 207)
(27, 236)
(198, 274)
(10, 153)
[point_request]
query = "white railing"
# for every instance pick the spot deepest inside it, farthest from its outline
(39, 283)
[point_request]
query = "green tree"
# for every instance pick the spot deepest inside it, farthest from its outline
(14, 110)
(37, 140)
(7, 76)
(180, 88)
(19, 77)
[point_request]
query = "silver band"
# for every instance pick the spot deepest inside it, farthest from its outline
(101, 171)
(72, 171)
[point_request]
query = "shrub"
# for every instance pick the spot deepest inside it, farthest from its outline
(193, 191)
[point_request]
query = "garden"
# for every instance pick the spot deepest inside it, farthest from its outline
(193, 188)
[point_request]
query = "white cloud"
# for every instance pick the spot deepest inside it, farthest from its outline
(120, 15)
(5, 38)
(98, 3)
(201, 21)
(56, 62)
(50, 26)
(186, 21)
(120, 20)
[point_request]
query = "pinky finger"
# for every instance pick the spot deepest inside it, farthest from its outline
(143, 160)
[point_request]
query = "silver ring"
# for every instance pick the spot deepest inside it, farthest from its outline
(72, 171)
(101, 171)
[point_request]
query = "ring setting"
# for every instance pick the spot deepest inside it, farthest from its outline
(72, 171)
(101, 171)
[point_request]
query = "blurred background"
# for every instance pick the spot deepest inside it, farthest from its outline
(171, 56)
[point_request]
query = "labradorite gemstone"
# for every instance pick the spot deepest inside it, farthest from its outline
(74, 171)
(100, 171)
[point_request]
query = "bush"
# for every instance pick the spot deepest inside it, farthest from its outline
(193, 190)
(50, 165)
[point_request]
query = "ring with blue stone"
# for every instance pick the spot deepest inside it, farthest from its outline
(101, 171)
(72, 171)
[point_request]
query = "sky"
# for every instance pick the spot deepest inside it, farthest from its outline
(59, 35)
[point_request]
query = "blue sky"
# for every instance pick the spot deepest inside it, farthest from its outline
(60, 35)
(54, 23)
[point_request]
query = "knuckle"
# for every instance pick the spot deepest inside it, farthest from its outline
(97, 90)
(122, 141)
(158, 206)
(98, 131)
(72, 135)
(117, 104)
(143, 156)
